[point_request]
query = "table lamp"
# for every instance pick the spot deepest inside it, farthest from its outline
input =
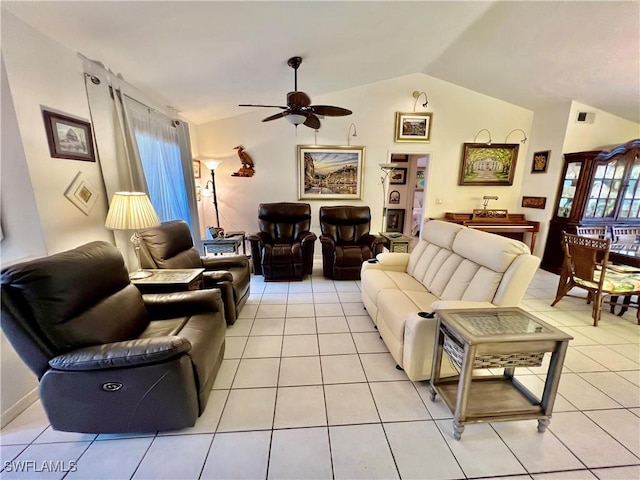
(132, 211)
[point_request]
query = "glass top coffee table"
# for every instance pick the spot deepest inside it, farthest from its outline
(495, 338)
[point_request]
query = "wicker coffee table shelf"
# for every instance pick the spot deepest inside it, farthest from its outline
(495, 338)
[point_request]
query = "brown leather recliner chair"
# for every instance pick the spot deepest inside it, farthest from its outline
(346, 242)
(170, 246)
(108, 358)
(283, 248)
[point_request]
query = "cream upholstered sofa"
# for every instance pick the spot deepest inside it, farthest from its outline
(452, 266)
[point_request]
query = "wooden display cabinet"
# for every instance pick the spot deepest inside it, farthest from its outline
(597, 188)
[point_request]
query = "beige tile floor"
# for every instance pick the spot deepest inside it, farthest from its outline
(308, 390)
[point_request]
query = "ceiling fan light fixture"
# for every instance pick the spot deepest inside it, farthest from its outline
(296, 118)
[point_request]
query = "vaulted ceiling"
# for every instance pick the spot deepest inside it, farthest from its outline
(205, 57)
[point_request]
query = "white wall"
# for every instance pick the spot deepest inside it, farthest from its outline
(23, 239)
(458, 114)
(43, 73)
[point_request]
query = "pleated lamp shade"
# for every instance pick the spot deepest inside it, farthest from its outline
(131, 211)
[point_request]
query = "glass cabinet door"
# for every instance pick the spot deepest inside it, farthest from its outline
(604, 190)
(630, 204)
(568, 192)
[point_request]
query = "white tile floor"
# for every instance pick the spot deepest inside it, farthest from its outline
(308, 390)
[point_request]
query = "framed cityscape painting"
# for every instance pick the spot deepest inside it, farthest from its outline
(330, 172)
(413, 127)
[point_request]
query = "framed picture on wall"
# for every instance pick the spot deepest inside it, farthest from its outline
(540, 162)
(196, 168)
(330, 172)
(395, 220)
(68, 137)
(398, 176)
(394, 197)
(413, 127)
(484, 164)
(82, 193)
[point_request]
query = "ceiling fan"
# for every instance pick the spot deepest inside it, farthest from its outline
(299, 109)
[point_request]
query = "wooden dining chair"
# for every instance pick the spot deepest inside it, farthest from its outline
(586, 266)
(592, 232)
(625, 235)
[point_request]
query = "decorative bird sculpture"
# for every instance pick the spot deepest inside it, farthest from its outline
(247, 163)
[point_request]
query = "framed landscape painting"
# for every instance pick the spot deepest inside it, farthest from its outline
(484, 164)
(330, 172)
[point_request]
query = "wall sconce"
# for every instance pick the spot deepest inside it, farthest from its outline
(417, 95)
(355, 133)
(478, 134)
(524, 135)
(212, 165)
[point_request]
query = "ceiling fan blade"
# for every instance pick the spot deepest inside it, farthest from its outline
(330, 111)
(298, 99)
(275, 117)
(267, 106)
(312, 121)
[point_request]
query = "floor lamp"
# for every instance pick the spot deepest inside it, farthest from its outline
(132, 211)
(212, 165)
(387, 169)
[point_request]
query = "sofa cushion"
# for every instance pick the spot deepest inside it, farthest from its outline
(395, 306)
(490, 250)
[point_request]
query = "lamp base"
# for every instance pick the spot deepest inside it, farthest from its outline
(137, 275)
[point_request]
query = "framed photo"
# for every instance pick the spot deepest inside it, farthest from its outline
(394, 197)
(395, 220)
(398, 176)
(413, 127)
(82, 193)
(196, 169)
(68, 137)
(420, 179)
(534, 202)
(540, 162)
(330, 172)
(484, 164)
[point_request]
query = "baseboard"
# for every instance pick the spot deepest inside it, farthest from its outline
(18, 407)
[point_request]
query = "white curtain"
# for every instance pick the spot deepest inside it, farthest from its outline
(158, 146)
(115, 106)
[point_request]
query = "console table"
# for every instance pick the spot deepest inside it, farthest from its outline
(495, 338)
(167, 280)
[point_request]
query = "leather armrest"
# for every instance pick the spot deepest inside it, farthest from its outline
(129, 353)
(224, 262)
(327, 239)
(307, 237)
(260, 237)
(218, 276)
(371, 240)
(179, 304)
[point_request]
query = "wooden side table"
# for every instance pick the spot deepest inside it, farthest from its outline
(396, 243)
(167, 280)
(495, 338)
